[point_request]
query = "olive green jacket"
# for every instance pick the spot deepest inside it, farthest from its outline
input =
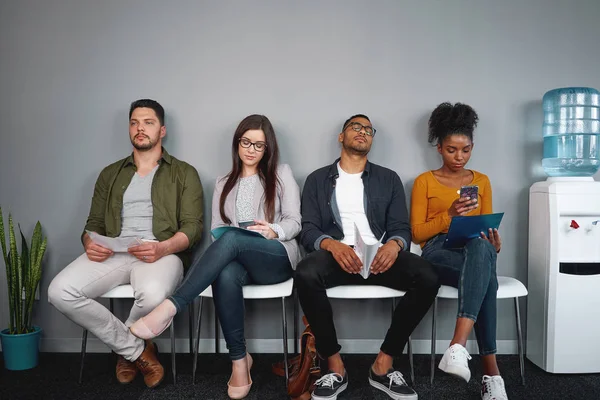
(176, 198)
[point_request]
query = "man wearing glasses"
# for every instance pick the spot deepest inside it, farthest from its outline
(353, 194)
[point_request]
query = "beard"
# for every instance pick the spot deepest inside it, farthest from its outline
(360, 149)
(143, 146)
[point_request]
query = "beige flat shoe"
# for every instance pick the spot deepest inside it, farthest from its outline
(240, 392)
(141, 330)
(147, 328)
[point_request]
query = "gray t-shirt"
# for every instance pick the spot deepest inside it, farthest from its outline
(137, 211)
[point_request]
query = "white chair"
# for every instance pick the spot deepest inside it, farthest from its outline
(508, 288)
(126, 292)
(373, 292)
(254, 292)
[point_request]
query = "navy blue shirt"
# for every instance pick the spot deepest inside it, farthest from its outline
(384, 202)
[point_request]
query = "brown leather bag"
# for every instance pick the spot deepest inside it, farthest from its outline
(303, 369)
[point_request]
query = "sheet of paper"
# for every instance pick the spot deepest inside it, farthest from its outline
(366, 252)
(370, 256)
(118, 245)
(360, 248)
(218, 232)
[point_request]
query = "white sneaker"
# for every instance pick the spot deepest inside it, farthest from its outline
(492, 388)
(456, 362)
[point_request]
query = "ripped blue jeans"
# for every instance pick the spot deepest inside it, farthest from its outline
(472, 270)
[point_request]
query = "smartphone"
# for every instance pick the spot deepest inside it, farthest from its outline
(470, 191)
(245, 224)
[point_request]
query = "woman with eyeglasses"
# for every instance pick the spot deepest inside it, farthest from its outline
(436, 199)
(260, 198)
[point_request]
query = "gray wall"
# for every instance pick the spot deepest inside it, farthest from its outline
(69, 69)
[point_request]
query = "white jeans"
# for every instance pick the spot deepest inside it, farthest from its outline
(74, 289)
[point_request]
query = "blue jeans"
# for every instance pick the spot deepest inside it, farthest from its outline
(472, 270)
(236, 259)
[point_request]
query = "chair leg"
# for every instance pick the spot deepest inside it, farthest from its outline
(410, 360)
(173, 365)
(197, 344)
(83, 348)
(216, 330)
(433, 340)
(520, 340)
(296, 321)
(285, 338)
(191, 327)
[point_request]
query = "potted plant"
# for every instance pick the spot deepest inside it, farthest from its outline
(20, 342)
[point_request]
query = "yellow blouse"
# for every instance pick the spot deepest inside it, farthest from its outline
(430, 201)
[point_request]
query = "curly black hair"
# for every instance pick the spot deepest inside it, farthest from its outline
(448, 119)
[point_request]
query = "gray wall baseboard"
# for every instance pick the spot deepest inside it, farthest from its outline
(349, 346)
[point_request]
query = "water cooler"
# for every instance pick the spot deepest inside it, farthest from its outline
(563, 306)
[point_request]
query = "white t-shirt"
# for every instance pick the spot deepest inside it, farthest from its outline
(349, 195)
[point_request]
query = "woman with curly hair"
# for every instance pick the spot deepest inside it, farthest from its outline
(472, 269)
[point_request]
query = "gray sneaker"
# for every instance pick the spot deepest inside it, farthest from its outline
(329, 386)
(392, 384)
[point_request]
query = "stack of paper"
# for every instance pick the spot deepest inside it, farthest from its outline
(118, 245)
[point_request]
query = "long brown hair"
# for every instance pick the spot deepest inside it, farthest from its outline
(267, 167)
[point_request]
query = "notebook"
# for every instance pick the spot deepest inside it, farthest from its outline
(218, 232)
(464, 228)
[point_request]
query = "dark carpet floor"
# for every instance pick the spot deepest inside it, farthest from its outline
(56, 378)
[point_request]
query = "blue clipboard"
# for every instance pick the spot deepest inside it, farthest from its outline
(464, 228)
(218, 232)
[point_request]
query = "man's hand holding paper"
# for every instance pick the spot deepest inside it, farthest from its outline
(386, 257)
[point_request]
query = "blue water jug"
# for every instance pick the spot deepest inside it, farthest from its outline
(571, 131)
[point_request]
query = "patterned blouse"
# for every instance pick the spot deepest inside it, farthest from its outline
(243, 203)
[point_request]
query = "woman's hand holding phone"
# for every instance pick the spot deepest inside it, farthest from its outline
(462, 206)
(466, 203)
(263, 228)
(245, 224)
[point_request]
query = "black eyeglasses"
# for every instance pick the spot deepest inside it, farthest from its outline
(258, 146)
(357, 127)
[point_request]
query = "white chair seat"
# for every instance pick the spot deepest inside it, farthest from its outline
(415, 248)
(363, 292)
(120, 292)
(359, 292)
(277, 290)
(508, 288)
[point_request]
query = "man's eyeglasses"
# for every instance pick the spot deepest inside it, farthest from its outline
(357, 127)
(258, 146)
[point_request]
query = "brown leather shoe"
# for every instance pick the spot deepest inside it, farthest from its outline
(149, 366)
(126, 370)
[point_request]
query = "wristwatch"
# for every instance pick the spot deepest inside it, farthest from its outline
(400, 244)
